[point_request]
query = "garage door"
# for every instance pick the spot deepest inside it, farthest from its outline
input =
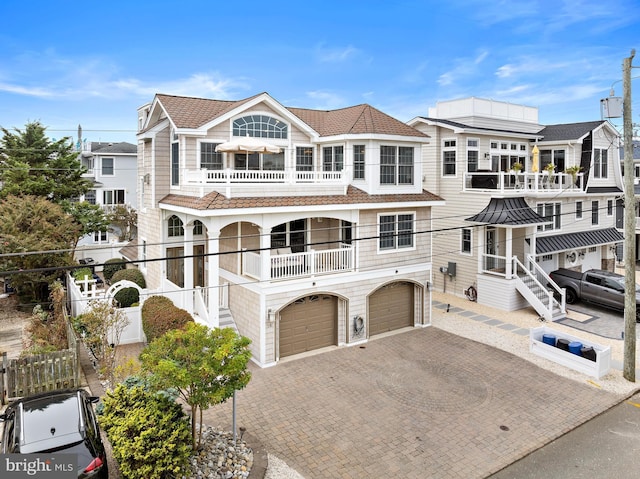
(391, 307)
(309, 323)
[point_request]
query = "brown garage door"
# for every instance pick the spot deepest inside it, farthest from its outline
(309, 323)
(391, 307)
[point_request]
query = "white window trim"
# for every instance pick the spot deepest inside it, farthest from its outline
(396, 249)
(470, 252)
(113, 159)
(199, 150)
(449, 148)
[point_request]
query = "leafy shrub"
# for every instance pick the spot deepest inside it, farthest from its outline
(160, 315)
(128, 296)
(149, 433)
(112, 266)
(80, 273)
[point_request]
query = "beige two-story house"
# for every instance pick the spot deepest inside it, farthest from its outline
(522, 200)
(310, 228)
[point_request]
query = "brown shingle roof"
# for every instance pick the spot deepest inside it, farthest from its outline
(188, 112)
(217, 201)
(359, 119)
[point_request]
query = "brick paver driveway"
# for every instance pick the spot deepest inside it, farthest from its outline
(418, 404)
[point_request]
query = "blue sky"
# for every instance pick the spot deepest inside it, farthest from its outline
(66, 63)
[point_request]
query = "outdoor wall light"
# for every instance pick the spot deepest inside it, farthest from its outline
(271, 315)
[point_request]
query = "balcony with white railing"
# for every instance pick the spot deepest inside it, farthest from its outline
(299, 265)
(509, 182)
(231, 176)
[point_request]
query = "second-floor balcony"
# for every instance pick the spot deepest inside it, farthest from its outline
(507, 182)
(282, 264)
(233, 176)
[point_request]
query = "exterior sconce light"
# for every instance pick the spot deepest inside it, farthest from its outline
(271, 315)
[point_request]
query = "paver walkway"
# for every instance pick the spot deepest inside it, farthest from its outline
(419, 404)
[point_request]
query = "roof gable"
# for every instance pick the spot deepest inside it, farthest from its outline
(569, 131)
(195, 113)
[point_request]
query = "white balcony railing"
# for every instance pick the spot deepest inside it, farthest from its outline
(298, 265)
(532, 183)
(228, 176)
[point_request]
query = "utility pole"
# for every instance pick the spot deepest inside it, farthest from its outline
(629, 365)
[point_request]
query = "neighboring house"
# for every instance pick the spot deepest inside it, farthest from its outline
(113, 169)
(311, 227)
(504, 227)
(636, 187)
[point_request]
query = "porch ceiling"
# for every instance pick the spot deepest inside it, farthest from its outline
(583, 239)
(508, 212)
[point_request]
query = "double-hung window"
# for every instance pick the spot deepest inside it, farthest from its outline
(210, 159)
(358, 162)
(396, 165)
(600, 163)
(595, 206)
(396, 231)
(472, 154)
(552, 213)
(578, 210)
(333, 158)
(465, 241)
(107, 166)
(449, 157)
(304, 158)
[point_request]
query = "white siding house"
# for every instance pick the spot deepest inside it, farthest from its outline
(509, 218)
(308, 228)
(113, 169)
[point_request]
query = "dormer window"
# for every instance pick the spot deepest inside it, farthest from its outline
(260, 126)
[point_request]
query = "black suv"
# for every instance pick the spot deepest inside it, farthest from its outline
(56, 422)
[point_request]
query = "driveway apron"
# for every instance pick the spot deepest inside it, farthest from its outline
(418, 404)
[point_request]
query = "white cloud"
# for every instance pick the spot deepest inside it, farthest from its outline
(325, 100)
(464, 69)
(26, 91)
(336, 55)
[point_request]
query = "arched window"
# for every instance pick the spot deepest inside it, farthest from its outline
(198, 227)
(175, 227)
(260, 126)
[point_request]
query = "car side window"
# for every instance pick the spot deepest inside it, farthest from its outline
(594, 280)
(614, 285)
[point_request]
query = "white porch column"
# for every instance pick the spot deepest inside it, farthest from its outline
(213, 277)
(188, 268)
(265, 253)
(508, 267)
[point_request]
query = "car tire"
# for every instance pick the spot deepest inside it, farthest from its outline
(571, 296)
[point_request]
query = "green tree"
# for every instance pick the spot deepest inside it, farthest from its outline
(32, 164)
(124, 222)
(41, 236)
(205, 365)
(89, 217)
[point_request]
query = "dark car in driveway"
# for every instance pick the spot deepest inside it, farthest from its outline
(56, 422)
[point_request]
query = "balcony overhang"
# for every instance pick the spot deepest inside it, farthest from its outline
(508, 212)
(582, 239)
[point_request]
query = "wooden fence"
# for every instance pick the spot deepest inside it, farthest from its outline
(41, 372)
